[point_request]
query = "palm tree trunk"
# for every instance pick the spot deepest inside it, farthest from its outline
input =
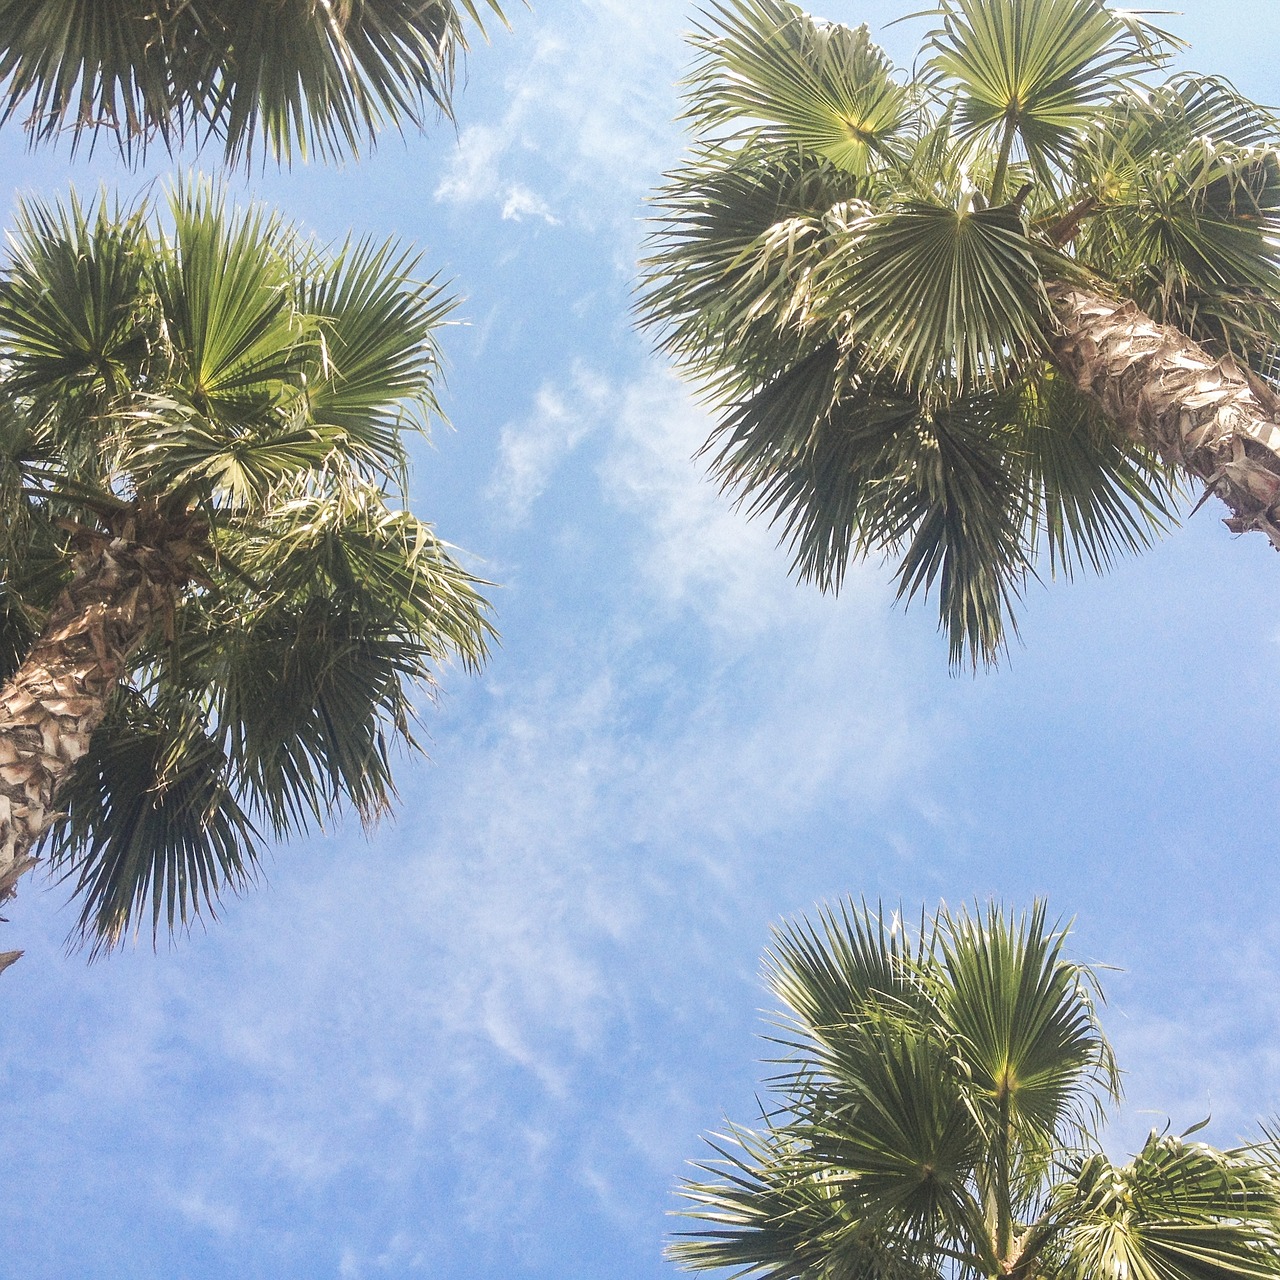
(1214, 419)
(57, 698)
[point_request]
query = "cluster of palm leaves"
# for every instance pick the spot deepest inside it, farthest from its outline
(294, 76)
(856, 266)
(938, 1099)
(224, 378)
(212, 383)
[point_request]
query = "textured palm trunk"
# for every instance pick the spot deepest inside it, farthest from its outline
(1214, 419)
(58, 697)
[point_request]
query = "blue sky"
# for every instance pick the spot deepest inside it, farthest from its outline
(485, 1042)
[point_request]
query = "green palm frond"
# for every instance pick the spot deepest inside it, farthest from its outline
(375, 360)
(1094, 496)
(363, 604)
(1027, 1028)
(73, 312)
(312, 701)
(888, 1116)
(290, 78)
(1036, 72)
(171, 449)
(738, 258)
(809, 452)
(950, 512)
(848, 466)
(822, 87)
(769, 1214)
(1178, 1211)
(941, 296)
(154, 829)
(224, 286)
(828, 974)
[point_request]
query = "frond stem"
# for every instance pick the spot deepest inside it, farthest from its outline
(1065, 229)
(1006, 150)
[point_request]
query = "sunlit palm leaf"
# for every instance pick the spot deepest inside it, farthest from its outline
(943, 297)
(822, 87)
(1025, 1021)
(887, 1150)
(828, 974)
(1037, 71)
(224, 289)
(1179, 1211)
(376, 356)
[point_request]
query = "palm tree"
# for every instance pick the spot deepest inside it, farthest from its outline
(290, 76)
(215, 607)
(939, 1098)
(995, 311)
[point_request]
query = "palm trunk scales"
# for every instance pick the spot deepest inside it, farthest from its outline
(1211, 417)
(58, 697)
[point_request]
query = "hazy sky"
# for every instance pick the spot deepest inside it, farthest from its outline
(484, 1043)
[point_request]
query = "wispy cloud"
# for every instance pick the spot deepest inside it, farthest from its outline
(532, 448)
(590, 112)
(522, 203)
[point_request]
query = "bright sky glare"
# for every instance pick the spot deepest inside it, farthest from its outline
(484, 1044)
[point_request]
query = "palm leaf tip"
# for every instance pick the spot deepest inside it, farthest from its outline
(295, 77)
(155, 832)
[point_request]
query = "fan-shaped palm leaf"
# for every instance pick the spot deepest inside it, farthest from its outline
(822, 87)
(1037, 72)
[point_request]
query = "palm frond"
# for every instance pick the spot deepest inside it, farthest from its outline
(951, 510)
(1036, 72)
(1026, 1025)
(290, 78)
(224, 286)
(943, 297)
(1094, 495)
(733, 273)
(768, 1213)
(821, 87)
(73, 320)
(153, 828)
(1178, 1211)
(375, 359)
(828, 974)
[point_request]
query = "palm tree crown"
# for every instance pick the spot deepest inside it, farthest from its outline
(214, 598)
(938, 1099)
(304, 76)
(885, 283)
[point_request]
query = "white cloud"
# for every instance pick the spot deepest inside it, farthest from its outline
(590, 109)
(473, 175)
(522, 203)
(530, 450)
